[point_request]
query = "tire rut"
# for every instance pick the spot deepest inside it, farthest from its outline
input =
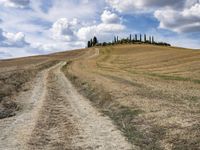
(53, 129)
(68, 121)
(57, 117)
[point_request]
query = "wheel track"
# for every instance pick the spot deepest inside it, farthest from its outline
(56, 117)
(53, 126)
(68, 121)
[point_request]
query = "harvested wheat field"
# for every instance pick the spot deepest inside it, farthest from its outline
(151, 93)
(135, 96)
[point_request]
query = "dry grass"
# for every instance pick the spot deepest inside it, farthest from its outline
(13, 82)
(151, 92)
(15, 73)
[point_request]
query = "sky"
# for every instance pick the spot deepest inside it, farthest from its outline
(34, 27)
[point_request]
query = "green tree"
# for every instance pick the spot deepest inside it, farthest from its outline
(145, 38)
(135, 37)
(152, 39)
(115, 40)
(95, 41)
(89, 44)
(149, 39)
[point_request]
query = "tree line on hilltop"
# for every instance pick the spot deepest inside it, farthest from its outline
(136, 39)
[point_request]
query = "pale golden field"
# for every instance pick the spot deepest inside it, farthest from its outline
(152, 93)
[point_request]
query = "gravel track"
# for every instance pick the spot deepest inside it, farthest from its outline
(56, 116)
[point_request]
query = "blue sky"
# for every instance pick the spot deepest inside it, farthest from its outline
(32, 27)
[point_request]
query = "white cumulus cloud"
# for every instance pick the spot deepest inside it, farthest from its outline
(8, 39)
(178, 16)
(110, 25)
(15, 3)
(109, 18)
(135, 6)
(100, 30)
(63, 29)
(186, 20)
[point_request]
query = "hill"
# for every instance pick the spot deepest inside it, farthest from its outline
(150, 93)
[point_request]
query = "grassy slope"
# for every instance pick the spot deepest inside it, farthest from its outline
(151, 92)
(15, 73)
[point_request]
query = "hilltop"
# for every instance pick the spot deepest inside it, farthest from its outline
(126, 96)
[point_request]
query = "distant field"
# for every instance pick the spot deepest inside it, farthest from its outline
(152, 93)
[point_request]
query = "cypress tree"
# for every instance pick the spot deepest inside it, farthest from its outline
(89, 45)
(135, 37)
(140, 38)
(115, 40)
(95, 41)
(130, 39)
(149, 39)
(145, 38)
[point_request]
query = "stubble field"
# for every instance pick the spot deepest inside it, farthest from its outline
(151, 93)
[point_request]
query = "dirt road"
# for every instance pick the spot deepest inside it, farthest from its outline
(56, 116)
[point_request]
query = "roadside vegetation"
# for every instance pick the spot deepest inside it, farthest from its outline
(13, 82)
(15, 73)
